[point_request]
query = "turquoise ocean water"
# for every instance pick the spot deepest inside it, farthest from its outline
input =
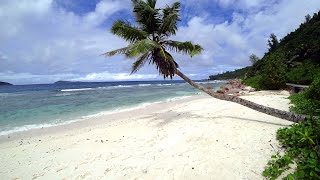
(27, 107)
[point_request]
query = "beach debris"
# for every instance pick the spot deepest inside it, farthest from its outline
(145, 171)
(192, 168)
(101, 141)
(271, 145)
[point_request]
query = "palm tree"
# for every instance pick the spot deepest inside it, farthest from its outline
(149, 43)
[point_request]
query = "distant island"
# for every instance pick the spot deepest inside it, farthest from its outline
(5, 84)
(66, 82)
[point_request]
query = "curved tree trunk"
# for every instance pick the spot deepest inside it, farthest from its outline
(267, 110)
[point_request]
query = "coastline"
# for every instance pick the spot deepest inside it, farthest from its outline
(188, 138)
(92, 120)
(35, 127)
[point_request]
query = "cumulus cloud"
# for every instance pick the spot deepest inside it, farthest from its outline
(230, 43)
(44, 42)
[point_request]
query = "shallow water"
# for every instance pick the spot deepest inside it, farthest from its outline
(34, 106)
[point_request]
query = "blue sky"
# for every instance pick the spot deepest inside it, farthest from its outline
(43, 41)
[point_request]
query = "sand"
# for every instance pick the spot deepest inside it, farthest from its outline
(194, 138)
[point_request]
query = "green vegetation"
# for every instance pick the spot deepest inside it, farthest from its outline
(302, 148)
(303, 74)
(254, 58)
(297, 54)
(307, 102)
(293, 59)
(239, 73)
(256, 82)
(272, 76)
(301, 141)
(149, 38)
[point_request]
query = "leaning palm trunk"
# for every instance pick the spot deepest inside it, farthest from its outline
(149, 43)
(267, 110)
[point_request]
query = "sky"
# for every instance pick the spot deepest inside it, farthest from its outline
(43, 41)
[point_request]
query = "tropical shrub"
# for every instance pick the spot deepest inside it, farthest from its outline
(272, 74)
(301, 147)
(303, 74)
(313, 92)
(307, 102)
(301, 141)
(255, 82)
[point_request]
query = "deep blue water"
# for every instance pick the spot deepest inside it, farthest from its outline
(24, 107)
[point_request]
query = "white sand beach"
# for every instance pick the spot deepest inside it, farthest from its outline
(195, 138)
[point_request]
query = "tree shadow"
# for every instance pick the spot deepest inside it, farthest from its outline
(163, 119)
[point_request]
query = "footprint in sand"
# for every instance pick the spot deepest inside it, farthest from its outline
(35, 176)
(60, 169)
(106, 171)
(83, 176)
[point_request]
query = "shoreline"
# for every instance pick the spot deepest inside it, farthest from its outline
(191, 138)
(94, 119)
(26, 128)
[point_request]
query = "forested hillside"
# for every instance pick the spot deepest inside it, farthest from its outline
(239, 73)
(293, 59)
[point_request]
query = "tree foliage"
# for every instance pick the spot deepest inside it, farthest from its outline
(239, 74)
(299, 55)
(300, 51)
(273, 43)
(301, 144)
(254, 58)
(148, 38)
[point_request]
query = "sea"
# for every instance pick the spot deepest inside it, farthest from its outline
(25, 107)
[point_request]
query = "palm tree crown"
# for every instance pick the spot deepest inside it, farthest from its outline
(149, 37)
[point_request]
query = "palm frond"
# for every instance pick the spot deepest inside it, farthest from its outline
(140, 62)
(117, 51)
(164, 62)
(147, 16)
(170, 19)
(127, 32)
(140, 47)
(183, 47)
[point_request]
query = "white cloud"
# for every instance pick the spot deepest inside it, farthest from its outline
(106, 76)
(231, 42)
(44, 43)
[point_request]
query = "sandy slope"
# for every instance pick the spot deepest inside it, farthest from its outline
(195, 138)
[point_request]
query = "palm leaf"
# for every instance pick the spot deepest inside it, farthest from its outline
(140, 47)
(117, 51)
(170, 19)
(164, 62)
(140, 62)
(183, 47)
(127, 32)
(147, 16)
